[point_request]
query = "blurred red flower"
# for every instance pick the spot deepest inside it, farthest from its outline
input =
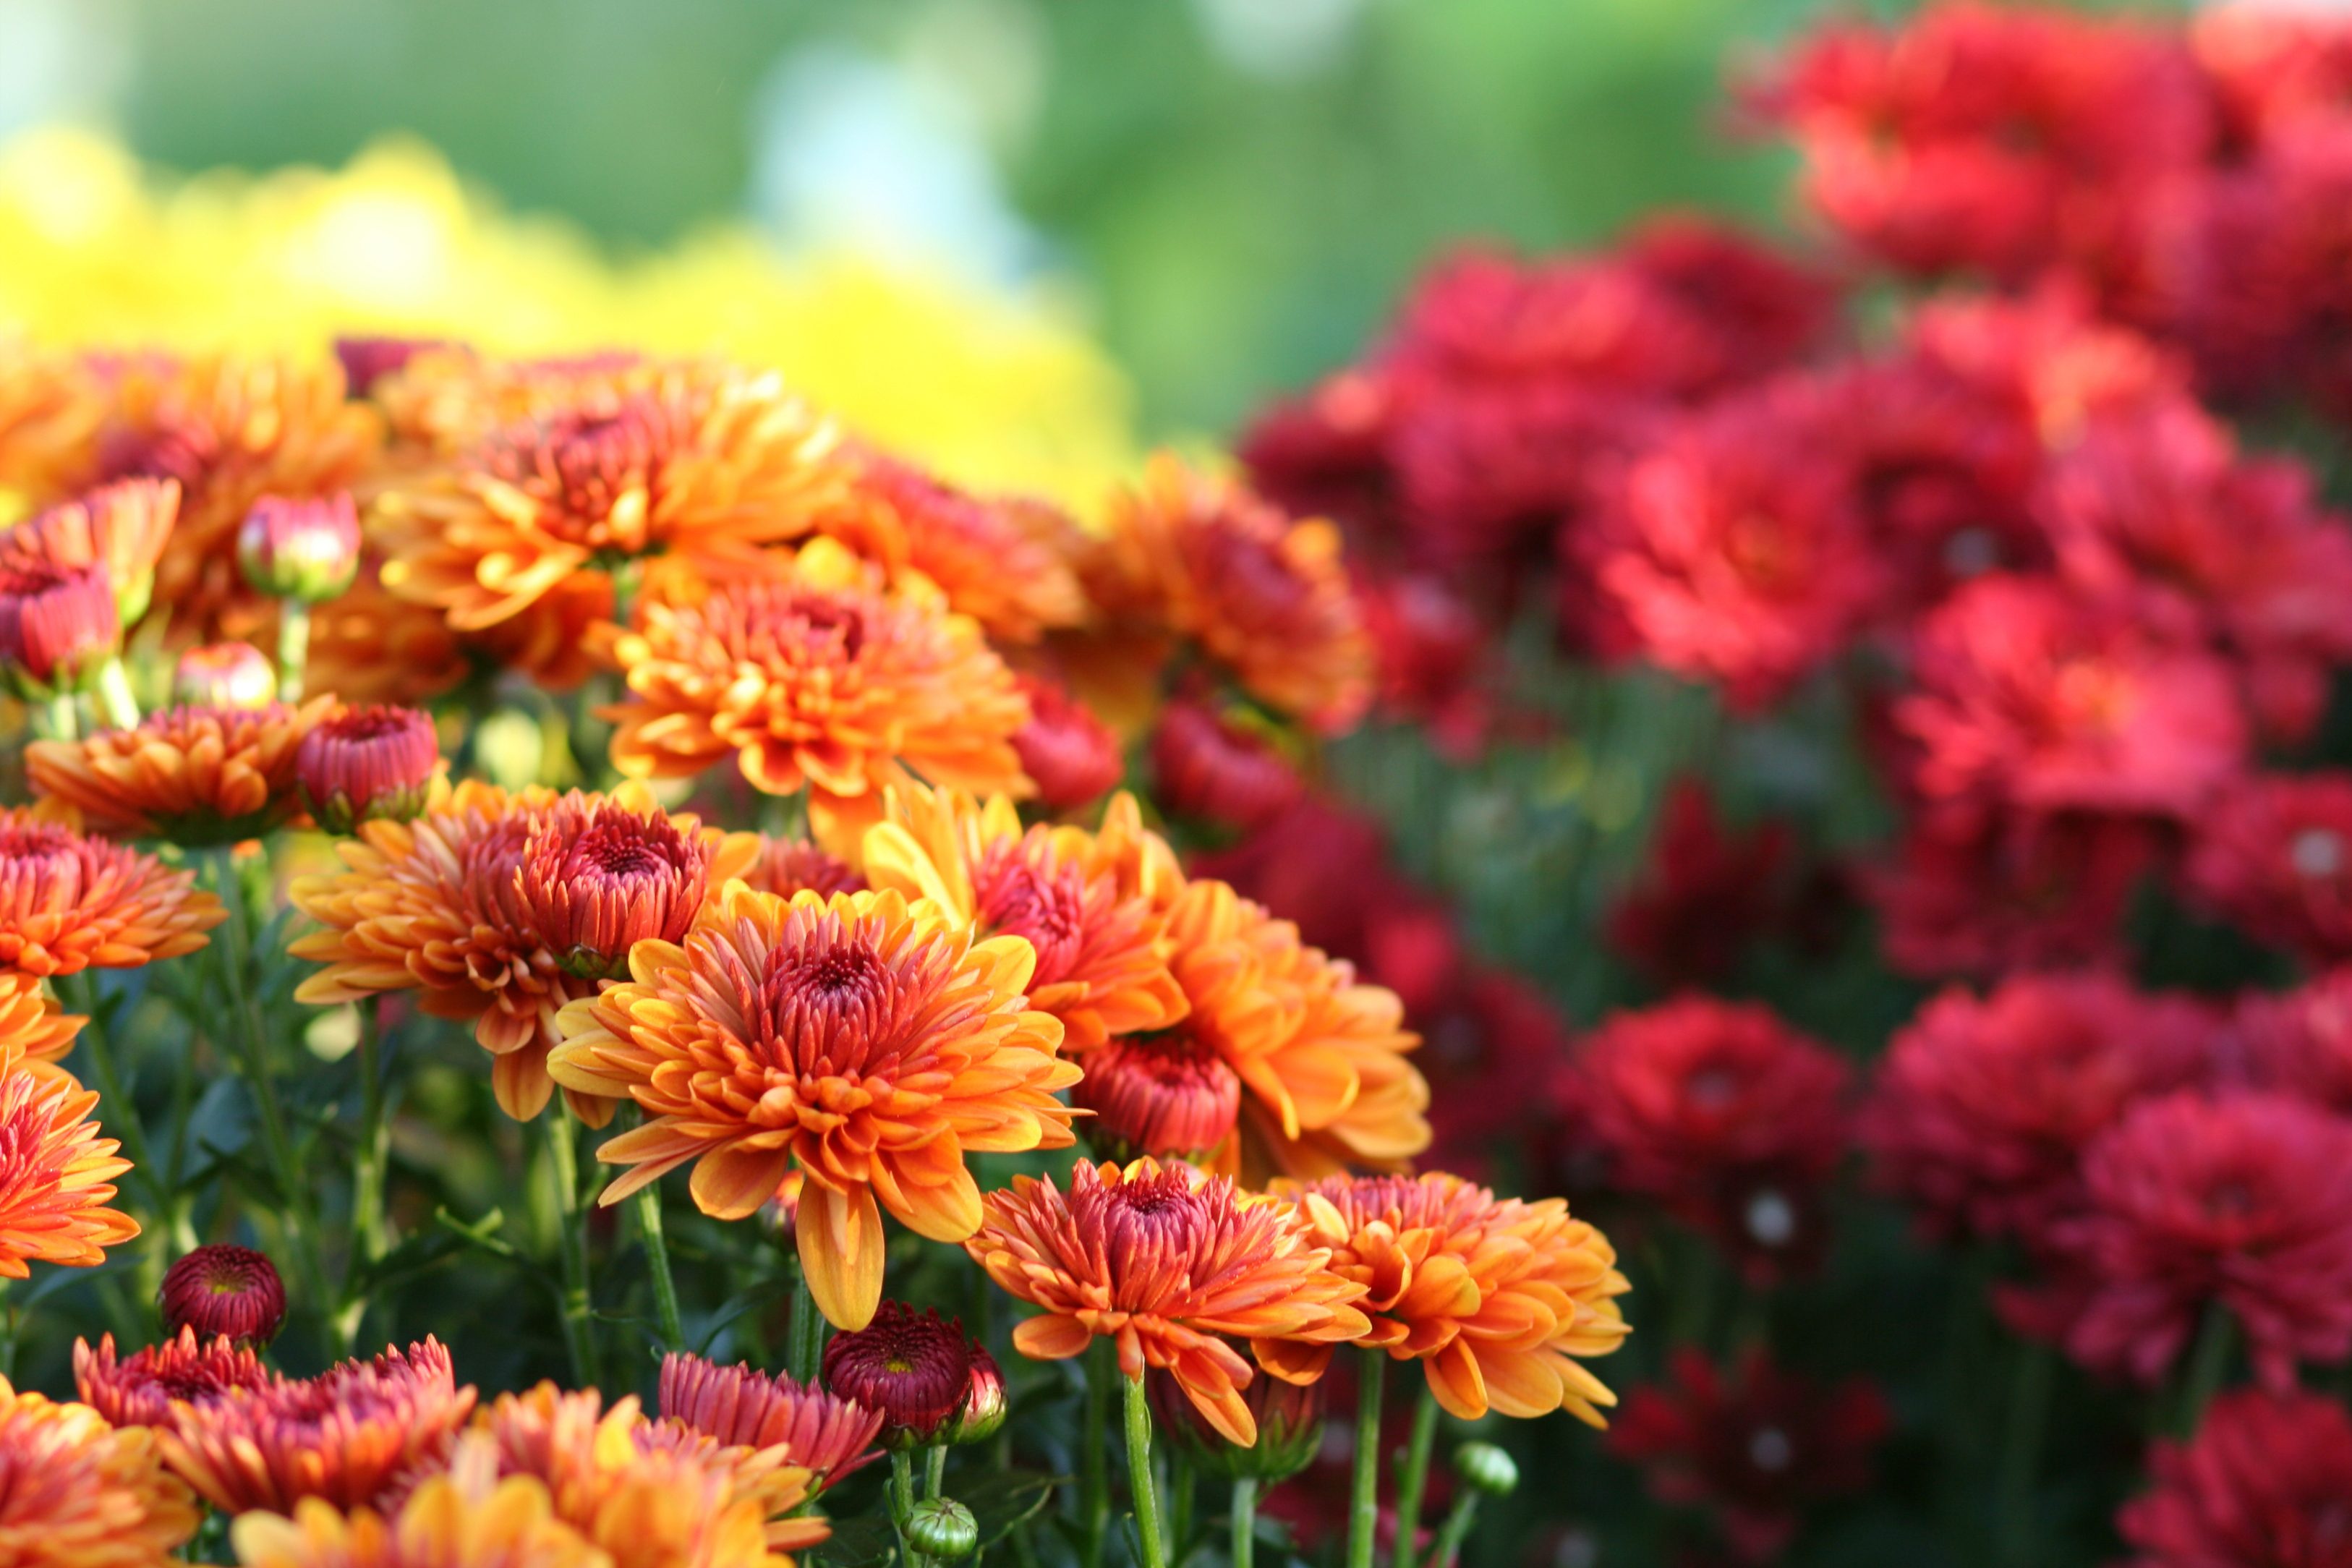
(2264, 1481)
(2274, 856)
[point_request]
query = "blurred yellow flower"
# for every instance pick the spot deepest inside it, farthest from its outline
(999, 391)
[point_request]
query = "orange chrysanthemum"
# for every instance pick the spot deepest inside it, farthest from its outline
(819, 679)
(1168, 1262)
(120, 526)
(1262, 595)
(50, 405)
(443, 1523)
(1322, 1058)
(1499, 1300)
(1102, 951)
(1007, 564)
(652, 1494)
(700, 463)
(193, 775)
(33, 1028)
(343, 1436)
(500, 909)
(139, 1390)
(68, 900)
(827, 1435)
(871, 1042)
(230, 428)
(77, 1493)
(55, 1174)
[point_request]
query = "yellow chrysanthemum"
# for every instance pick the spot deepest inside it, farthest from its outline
(445, 1524)
(76, 1493)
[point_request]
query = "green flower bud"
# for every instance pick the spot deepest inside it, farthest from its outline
(943, 1529)
(986, 1406)
(1484, 1467)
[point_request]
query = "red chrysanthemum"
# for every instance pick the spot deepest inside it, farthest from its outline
(366, 763)
(2300, 1042)
(225, 1291)
(140, 1390)
(2273, 855)
(913, 1367)
(2028, 695)
(120, 528)
(1753, 1444)
(2242, 1202)
(1218, 769)
(1071, 756)
(820, 1432)
(1722, 1113)
(1983, 1106)
(2263, 1484)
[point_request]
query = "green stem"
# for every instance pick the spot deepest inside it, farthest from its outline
(2021, 1466)
(902, 1503)
(805, 1347)
(1457, 1530)
(1364, 1500)
(935, 1469)
(1245, 1552)
(64, 717)
(1094, 1457)
(114, 695)
(571, 1244)
(293, 648)
(370, 1157)
(2209, 1366)
(1412, 1483)
(1145, 1494)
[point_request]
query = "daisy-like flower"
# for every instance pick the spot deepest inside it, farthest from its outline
(463, 904)
(827, 1435)
(343, 1436)
(1322, 1058)
(1102, 954)
(2263, 1483)
(76, 1493)
(1263, 596)
(699, 463)
(1500, 1300)
(139, 1390)
(68, 900)
(57, 1174)
(1167, 1263)
(193, 775)
(868, 1042)
(819, 679)
(230, 428)
(33, 1028)
(913, 1367)
(445, 1522)
(366, 763)
(119, 528)
(226, 1291)
(654, 1495)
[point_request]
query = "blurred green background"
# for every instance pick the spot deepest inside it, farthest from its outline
(1237, 189)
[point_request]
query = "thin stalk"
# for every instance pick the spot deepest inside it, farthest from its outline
(114, 697)
(1244, 1553)
(1412, 1482)
(902, 1504)
(1180, 1503)
(571, 1244)
(649, 1225)
(1364, 1500)
(1140, 1487)
(2208, 1365)
(1094, 1457)
(370, 1228)
(1456, 1531)
(293, 648)
(935, 1469)
(804, 1346)
(2021, 1466)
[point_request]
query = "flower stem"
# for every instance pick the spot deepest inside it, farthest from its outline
(293, 648)
(370, 1230)
(571, 1243)
(1456, 1531)
(1244, 1553)
(649, 1222)
(2208, 1365)
(2029, 1417)
(114, 695)
(1094, 1517)
(935, 1469)
(1138, 1476)
(1364, 1501)
(902, 1503)
(804, 1346)
(1412, 1482)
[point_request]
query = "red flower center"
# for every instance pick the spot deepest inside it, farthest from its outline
(1044, 904)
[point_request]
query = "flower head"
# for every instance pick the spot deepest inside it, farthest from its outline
(594, 879)
(1500, 1300)
(911, 1366)
(2273, 856)
(57, 1174)
(1724, 1114)
(33, 1028)
(823, 1433)
(58, 628)
(343, 1436)
(1166, 1094)
(1070, 754)
(446, 1522)
(140, 1391)
(2263, 1483)
(1167, 1263)
(1752, 1442)
(194, 775)
(305, 550)
(870, 1043)
(997, 562)
(1262, 595)
(367, 763)
(2244, 1201)
(225, 1291)
(224, 675)
(1984, 1105)
(68, 900)
(118, 528)
(819, 679)
(76, 1493)
(1219, 768)
(2300, 1042)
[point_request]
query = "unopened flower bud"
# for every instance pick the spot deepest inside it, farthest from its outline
(225, 675)
(1212, 767)
(1069, 754)
(942, 1529)
(1168, 1095)
(986, 1406)
(1484, 1467)
(305, 550)
(220, 1291)
(364, 763)
(912, 1367)
(58, 626)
